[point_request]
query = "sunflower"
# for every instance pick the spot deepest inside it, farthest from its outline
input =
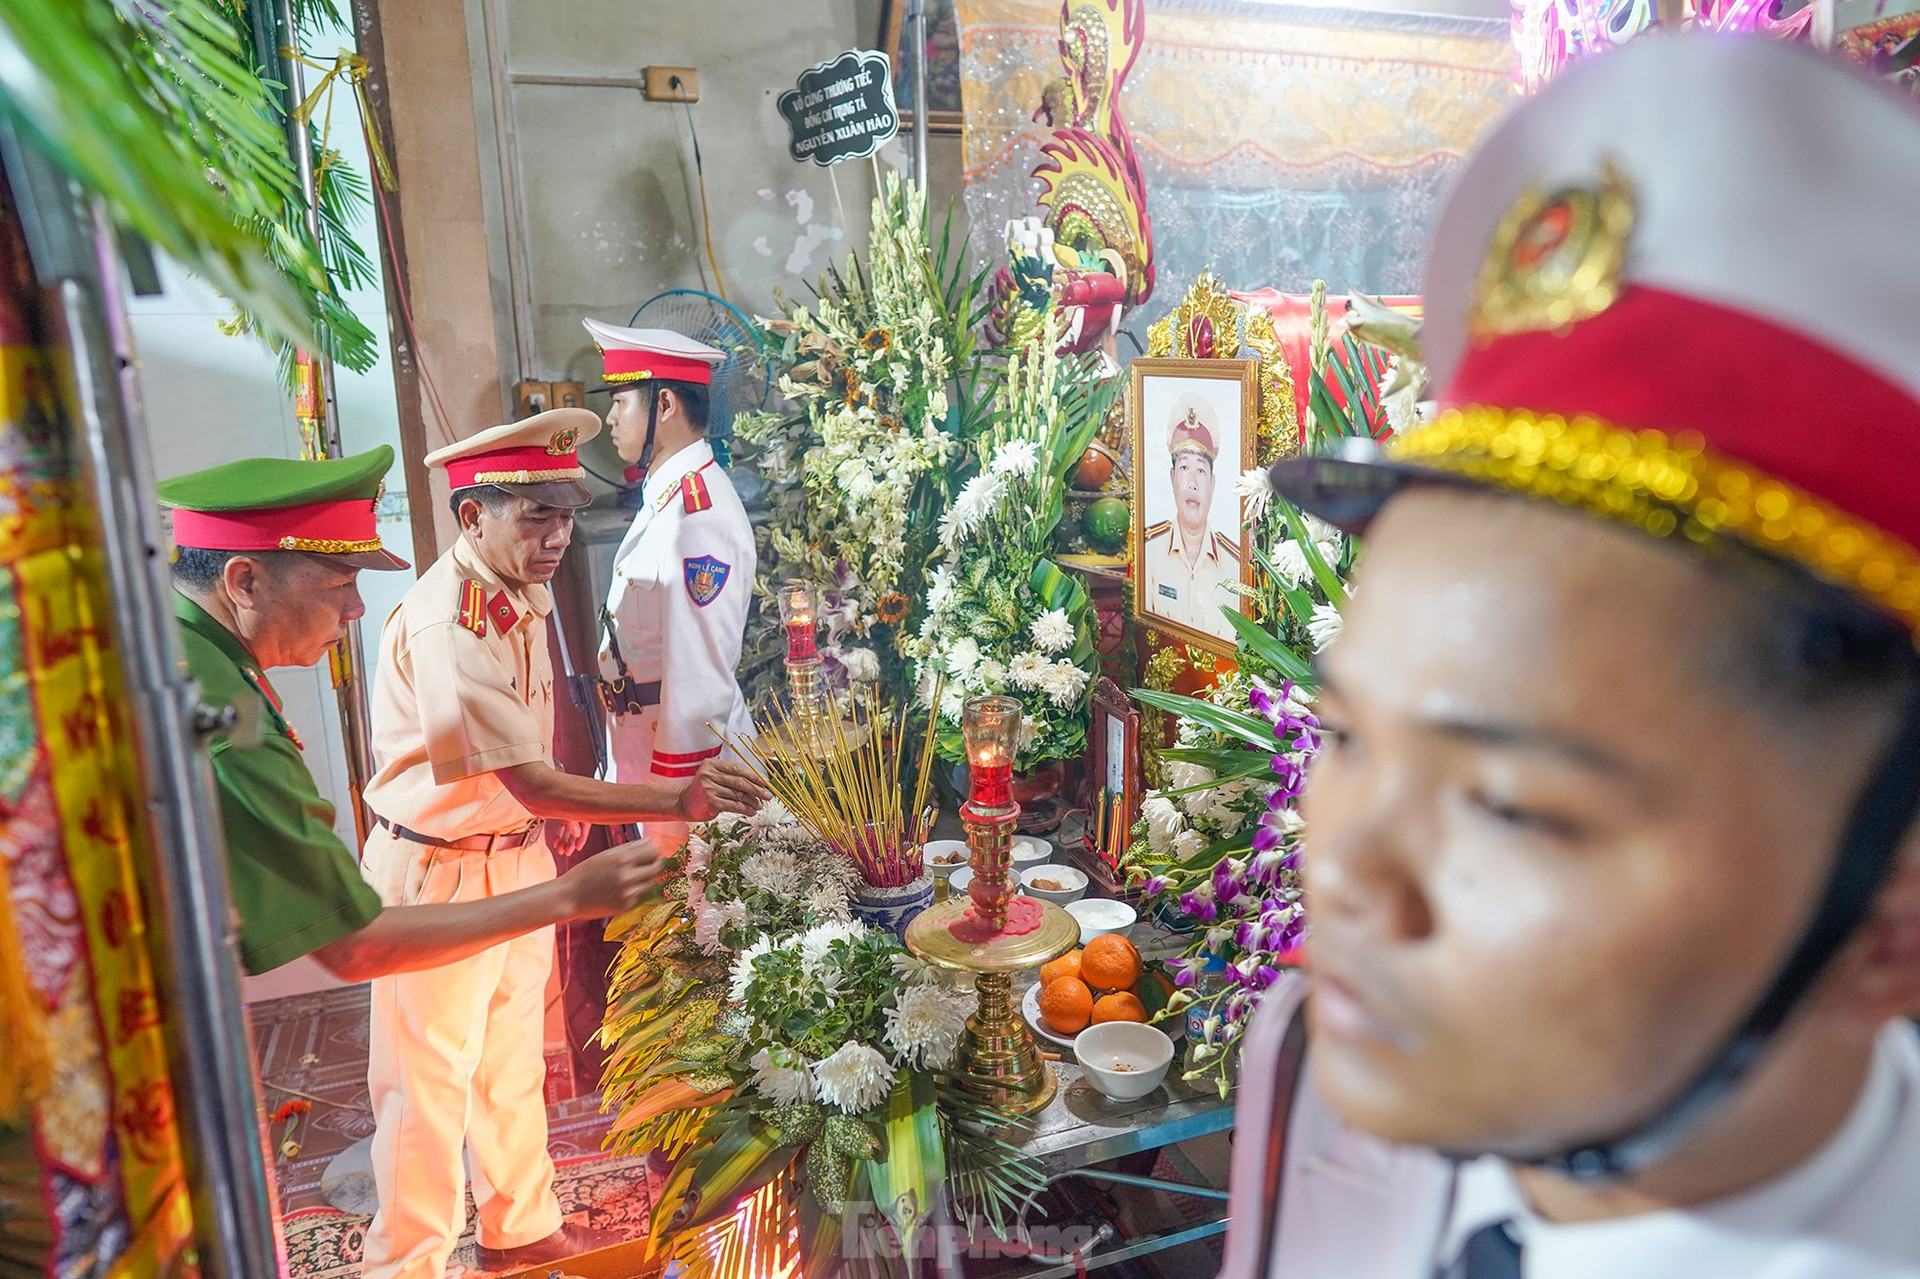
(892, 608)
(851, 391)
(876, 340)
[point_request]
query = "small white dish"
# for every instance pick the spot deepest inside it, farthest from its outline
(1102, 916)
(938, 848)
(957, 881)
(1030, 1007)
(1123, 1060)
(1072, 884)
(1030, 850)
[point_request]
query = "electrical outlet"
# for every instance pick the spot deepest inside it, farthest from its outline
(532, 397)
(671, 84)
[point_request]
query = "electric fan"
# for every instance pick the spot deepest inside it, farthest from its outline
(743, 381)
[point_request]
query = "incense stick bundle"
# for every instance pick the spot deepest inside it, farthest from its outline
(840, 776)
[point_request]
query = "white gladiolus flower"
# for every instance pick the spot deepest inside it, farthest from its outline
(1291, 562)
(1164, 822)
(773, 870)
(854, 1079)
(925, 1025)
(781, 1083)
(1026, 670)
(1324, 626)
(1052, 632)
(741, 975)
(863, 665)
(1018, 458)
(1189, 844)
(1063, 682)
(962, 657)
(1253, 489)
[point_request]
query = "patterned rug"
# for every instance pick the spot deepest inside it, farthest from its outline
(314, 1048)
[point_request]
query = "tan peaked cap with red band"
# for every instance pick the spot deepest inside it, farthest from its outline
(1677, 289)
(537, 457)
(328, 507)
(640, 355)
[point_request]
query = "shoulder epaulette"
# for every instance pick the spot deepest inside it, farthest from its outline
(473, 607)
(1155, 530)
(693, 492)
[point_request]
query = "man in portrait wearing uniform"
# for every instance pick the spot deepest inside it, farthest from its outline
(462, 713)
(1188, 567)
(268, 553)
(676, 610)
(1610, 837)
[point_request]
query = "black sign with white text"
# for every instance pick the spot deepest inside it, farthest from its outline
(842, 109)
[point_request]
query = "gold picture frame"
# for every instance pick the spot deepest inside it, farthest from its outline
(945, 116)
(1179, 407)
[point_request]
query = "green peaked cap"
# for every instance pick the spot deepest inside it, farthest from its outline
(268, 483)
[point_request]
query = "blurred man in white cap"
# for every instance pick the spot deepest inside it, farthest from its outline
(676, 610)
(1611, 851)
(1187, 567)
(466, 797)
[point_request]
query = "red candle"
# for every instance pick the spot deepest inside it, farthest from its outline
(992, 783)
(801, 646)
(798, 608)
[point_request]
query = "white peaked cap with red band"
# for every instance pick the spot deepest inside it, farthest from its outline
(639, 355)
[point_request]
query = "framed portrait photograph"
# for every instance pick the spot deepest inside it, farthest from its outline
(944, 114)
(1191, 424)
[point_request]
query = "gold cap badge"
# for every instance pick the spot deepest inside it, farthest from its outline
(1555, 259)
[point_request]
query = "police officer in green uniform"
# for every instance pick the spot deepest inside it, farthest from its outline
(269, 553)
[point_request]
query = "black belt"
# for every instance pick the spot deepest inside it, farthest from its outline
(470, 844)
(624, 695)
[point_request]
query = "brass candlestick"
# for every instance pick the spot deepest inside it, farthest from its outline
(998, 1058)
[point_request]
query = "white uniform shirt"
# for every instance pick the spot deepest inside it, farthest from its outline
(682, 583)
(1356, 1208)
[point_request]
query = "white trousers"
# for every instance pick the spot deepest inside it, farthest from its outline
(455, 1059)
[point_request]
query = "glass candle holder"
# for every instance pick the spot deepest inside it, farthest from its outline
(799, 613)
(991, 726)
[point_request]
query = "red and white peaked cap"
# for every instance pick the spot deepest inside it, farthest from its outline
(1678, 288)
(640, 355)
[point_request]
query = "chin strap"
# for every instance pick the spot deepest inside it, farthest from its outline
(1874, 831)
(637, 473)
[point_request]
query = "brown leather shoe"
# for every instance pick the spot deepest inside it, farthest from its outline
(562, 1244)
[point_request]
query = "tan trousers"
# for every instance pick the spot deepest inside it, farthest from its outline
(455, 1059)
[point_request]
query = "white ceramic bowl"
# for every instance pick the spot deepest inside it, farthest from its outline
(958, 881)
(945, 848)
(1100, 916)
(1030, 850)
(1073, 883)
(1123, 1060)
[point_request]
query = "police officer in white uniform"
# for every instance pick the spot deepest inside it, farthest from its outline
(1611, 846)
(676, 610)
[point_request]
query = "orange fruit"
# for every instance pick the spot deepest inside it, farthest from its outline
(1068, 965)
(1120, 1006)
(1110, 963)
(1065, 1005)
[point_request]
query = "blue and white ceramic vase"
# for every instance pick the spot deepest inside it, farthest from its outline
(892, 908)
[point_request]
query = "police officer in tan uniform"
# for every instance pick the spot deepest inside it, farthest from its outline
(1187, 566)
(466, 798)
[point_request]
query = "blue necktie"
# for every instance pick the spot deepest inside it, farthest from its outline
(1491, 1253)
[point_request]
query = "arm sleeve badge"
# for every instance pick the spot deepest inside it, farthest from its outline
(706, 578)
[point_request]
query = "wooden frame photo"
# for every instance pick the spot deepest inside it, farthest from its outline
(1189, 536)
(944, 114)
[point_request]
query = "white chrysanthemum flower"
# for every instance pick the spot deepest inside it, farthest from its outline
(1321, 531)
(1291, 563)
(699, 854)
(925, 1024)
(729, 822)
(1164, 822)
(1324, 626)
(1253, 488)
(827, 900)
(740, 976)
(962, 657)
(814, 942)
(863, 665)
(975, 502)
(854, 1079)
(1031, 728)
(951, 703)
(1063, 682)
(781, 1083)
(775, 871)
(1018, 458)
(1189, 844)
(911, 970)
(772, 815)
(1052, 632)
(1026, 670)
(1181, 776)
(990, 675)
